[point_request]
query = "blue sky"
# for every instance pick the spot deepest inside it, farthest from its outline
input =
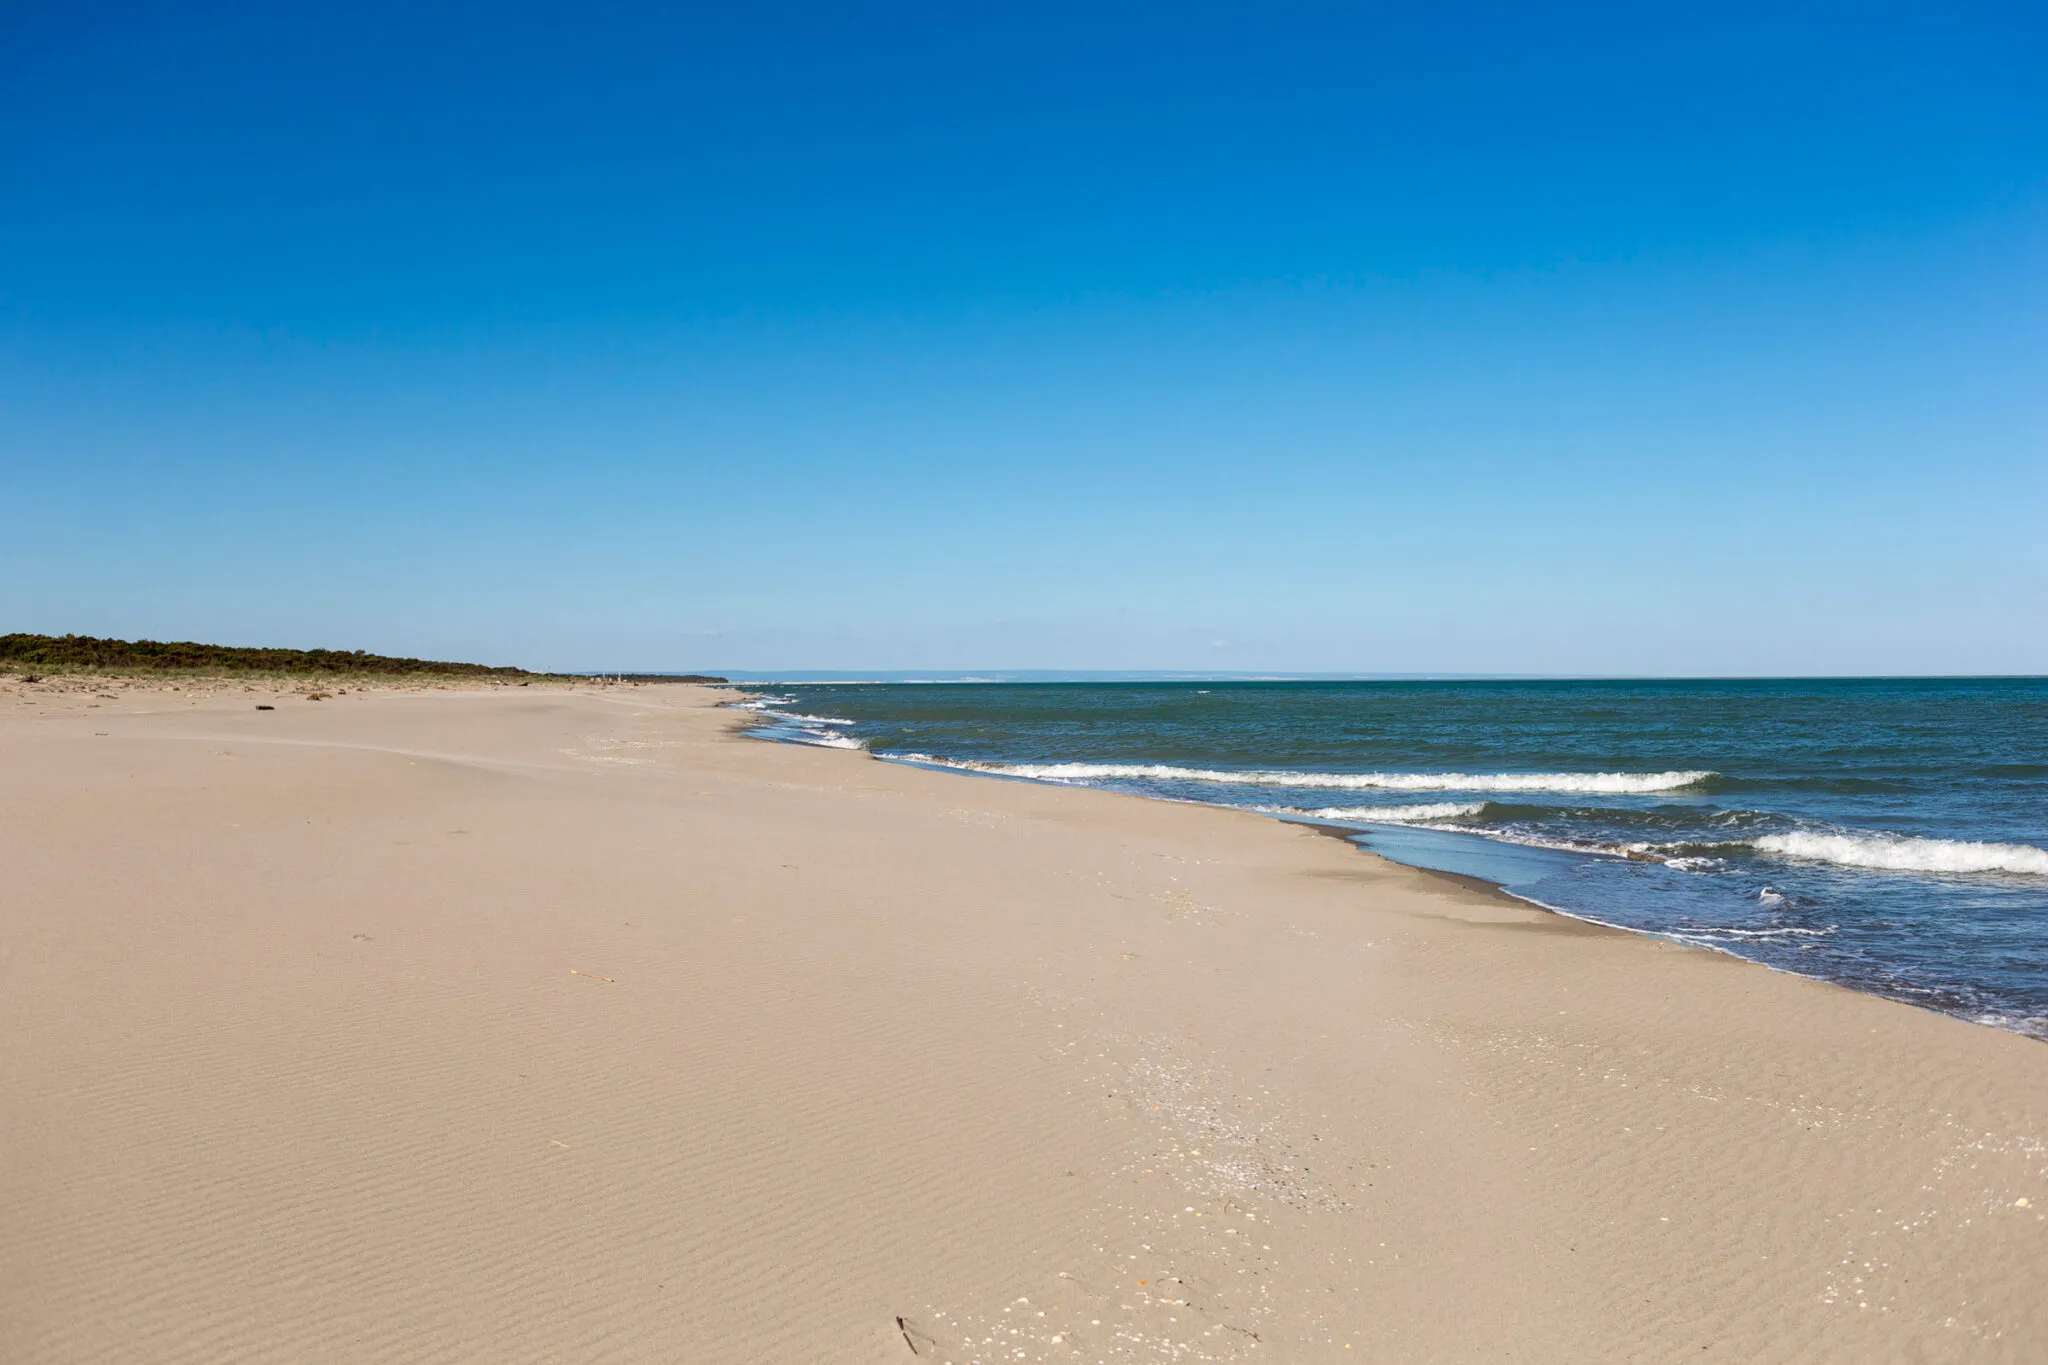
(1465, 338)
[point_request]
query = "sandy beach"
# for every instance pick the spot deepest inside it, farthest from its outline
(567, 1024)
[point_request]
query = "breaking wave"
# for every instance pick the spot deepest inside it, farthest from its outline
(1900, 854)
(1388, 815)
(794, 727)
(1618, 783)
(1709, 931)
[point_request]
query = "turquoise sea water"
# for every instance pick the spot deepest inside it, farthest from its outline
(1888, 834)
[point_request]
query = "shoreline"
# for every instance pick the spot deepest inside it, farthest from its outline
(1348, 835)
(1891, 935)
(573, 1023)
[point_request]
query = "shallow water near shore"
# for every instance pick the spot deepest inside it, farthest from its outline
(1888, 834)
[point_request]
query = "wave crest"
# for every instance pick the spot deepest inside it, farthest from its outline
(1617, 783)
(1900, 854)
(794, 727)
(1389, 815)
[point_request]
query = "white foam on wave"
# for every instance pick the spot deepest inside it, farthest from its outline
(814, 735)
(1900, 854)
(1709, 931)
(1619, 783)
(795, 727)
(1389, 815)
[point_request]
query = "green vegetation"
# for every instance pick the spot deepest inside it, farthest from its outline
(38, 654)
(83, 653)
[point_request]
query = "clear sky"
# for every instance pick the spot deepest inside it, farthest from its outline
(1647, 338)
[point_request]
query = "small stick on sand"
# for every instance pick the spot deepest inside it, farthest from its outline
(591, 975)
(904, 1328)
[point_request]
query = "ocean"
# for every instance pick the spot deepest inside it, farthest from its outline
(1887, 834)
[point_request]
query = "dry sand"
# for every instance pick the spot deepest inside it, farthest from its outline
(566, 1025)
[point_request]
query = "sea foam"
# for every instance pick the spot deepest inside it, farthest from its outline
(1899, 854)
(1389, 815)
(1619, 783)
(795, 727)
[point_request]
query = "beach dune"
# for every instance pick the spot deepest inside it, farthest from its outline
(566, 1024)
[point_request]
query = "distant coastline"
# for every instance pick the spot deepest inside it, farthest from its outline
(21, 653)
(33, 655)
